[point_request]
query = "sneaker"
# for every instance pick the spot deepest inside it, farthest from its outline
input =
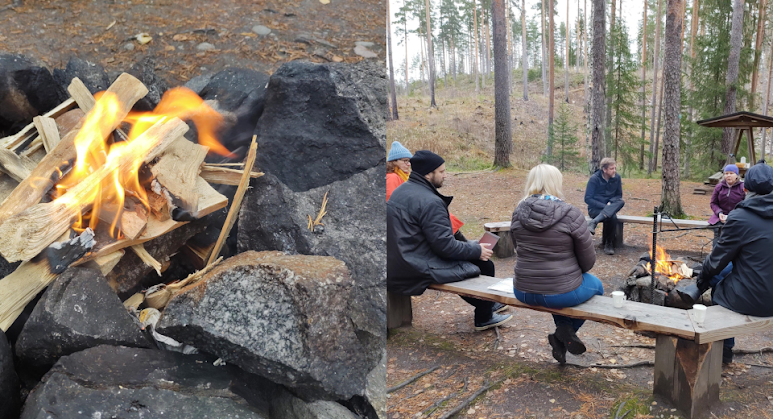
(608, 249)
(559, 350)
(499, 307)
(496, 320)
(727, 355)
(592, 226)
(569, 338)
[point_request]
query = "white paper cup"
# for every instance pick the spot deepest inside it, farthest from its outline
(699, 311)
(618, 297)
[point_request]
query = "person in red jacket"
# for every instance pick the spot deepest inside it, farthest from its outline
(398, 168)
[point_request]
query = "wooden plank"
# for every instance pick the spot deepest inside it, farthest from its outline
(128, 89)
(225, 176)
(49, 132)
(81, 94)
(178, 171)
(631, 219)
(14, 140)
(18, 167)
(722, 323)
(632, 316)
(20, 287)
(26, 234)
(33, 147)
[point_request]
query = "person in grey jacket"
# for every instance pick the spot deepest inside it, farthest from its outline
(555, 252)
(421, 248)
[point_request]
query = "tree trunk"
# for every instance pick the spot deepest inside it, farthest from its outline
(598, 50)
(566, 61)
(392, 93)
(578, 50)
(525, 57)
(610, 69)
(503, 142)
(657, 129)
(757, 52)
(672, 73)
(586, 97)
(693, 31)
(405, 28)
(475, 24)
(544, 53)
(655, 59)
(430, 59)
(453, 59)
(487, 30)
(551, 88)
(766, 100)
(736, 38)
(643, 87)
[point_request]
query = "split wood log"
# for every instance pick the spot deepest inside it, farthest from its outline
(24, 235)
(237, 202)
(178, 171)
(134, 222)
(61, 254)
(106, 262)
(146, 258)
(49, 132)
(20, 287)
(81, 94)
(18, 167)
(225, 176)
(29, 192)
(198, 255)
(35, 146)
(12, 142)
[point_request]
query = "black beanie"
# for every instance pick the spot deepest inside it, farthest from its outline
(759, 179)
(425, 162)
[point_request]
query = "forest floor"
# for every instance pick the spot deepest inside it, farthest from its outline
(189, 38)
(531, 383)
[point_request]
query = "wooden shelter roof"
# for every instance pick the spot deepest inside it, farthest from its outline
(738, 119)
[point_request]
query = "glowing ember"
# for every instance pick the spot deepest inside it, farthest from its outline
(98, 151)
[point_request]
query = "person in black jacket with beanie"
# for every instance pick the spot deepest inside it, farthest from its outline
(604, 196)
(421, 248)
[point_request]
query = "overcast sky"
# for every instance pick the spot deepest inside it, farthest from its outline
(632, 13)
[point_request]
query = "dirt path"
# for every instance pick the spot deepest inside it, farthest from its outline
(101, 32)
(532, 383)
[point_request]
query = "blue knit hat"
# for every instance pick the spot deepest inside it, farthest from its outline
(397, 152)
(731, 168)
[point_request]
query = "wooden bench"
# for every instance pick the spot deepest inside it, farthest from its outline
(688, 355)
(504, 247)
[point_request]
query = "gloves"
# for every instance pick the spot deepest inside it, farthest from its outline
(703, 283)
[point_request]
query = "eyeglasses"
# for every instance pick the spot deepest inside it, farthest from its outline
(408, 161)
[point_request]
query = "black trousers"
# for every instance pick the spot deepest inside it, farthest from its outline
(483, 308)
(610, 220)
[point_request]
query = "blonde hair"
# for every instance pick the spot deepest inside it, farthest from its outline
(544, 179)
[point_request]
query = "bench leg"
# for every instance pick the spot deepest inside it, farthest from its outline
(504, 247)
(399, 311)
(687, 374)
(618, 235)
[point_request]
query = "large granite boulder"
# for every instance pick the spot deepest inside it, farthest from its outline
(92, 75)
(322, 122)
(354, 231)
(9, 382)
(145, 71)
(286, 406)
(111, 382)
(231, 87)
(78, 311)
(27, 89)
(280, 316)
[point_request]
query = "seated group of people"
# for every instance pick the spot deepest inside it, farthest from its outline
(554, 245)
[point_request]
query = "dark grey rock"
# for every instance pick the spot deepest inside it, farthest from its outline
(231, 86)
(92, 75)
(78, 311)
(322, 122)
(9, 382)
(376, 390)
(109, 381)
(144, 70)
(6, 267)
(198, 83)
(287, 406)
(27, 89)
(354, 231)
(279, 316)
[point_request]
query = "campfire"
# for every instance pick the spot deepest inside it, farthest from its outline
(668, 273)
(115, 180)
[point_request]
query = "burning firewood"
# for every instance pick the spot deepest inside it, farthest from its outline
(178, 170)
(49, 133)
(61, 254)
(225, 175)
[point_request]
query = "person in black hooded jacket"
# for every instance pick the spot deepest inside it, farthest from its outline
(421, 248)
(739, 266)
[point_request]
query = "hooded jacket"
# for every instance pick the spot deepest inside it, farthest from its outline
(724, 199)
(421, 248)
(745, 240)
(599, 191)
(553, 245)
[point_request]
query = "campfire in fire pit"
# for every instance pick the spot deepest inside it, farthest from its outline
(668, 273)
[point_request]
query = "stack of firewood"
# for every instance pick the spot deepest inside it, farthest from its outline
(36, 225)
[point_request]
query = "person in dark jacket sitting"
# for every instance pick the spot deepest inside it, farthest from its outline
(604, 196)
(555, 253)
(739, 266)
(421, 248)
(727, 194)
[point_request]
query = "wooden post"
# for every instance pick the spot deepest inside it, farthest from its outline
(618, 235)
(504, 247)
(687, 374)
(399, 311)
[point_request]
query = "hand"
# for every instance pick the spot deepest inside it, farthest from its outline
(722, 217)
(485, 252)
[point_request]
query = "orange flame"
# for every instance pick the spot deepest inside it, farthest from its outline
(663, 264)
(96, 150)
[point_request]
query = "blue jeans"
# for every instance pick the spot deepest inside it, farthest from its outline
(590, 286)
(729, 342)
